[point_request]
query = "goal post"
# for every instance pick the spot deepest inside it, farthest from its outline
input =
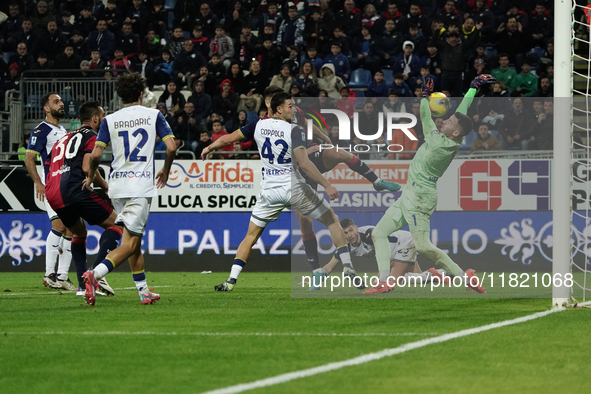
(561, 177)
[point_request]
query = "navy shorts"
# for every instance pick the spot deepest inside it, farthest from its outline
(93, 209)
(316, 158)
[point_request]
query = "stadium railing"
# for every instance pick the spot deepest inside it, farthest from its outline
(74, 86)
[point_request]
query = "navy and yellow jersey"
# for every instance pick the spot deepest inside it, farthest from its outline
(42, 140)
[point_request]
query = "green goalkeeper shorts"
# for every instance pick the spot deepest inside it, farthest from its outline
(414, 207)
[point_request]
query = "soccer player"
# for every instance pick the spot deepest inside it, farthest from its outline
(132, 133)
(403, 254)
(419, 198)
(41, 142)
(68, 164)
(281, 145)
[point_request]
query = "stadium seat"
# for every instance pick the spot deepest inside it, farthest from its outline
(6, 56)
(388, 76)
(468, 140)
(170, 19)
(186, 34)
(360, 102)
(251, 115)
(537, 51)
(33, 101)
(490, 52)
(494, 133)
(169, 4)
(360, 79)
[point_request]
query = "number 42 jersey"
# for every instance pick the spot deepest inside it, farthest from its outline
(132, 134)
(276, 140)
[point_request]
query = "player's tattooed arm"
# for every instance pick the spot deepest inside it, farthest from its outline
(30, 158)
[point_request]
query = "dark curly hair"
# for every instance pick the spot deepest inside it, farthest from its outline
(129, 87)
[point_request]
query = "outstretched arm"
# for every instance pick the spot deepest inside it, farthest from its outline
(426, 119)
(474, 86)
(221, 142)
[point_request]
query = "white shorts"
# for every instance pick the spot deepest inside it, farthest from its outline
(50, 212)
(132, 213)
(270, 203)
(405, 251)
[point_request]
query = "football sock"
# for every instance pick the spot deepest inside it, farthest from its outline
(428, 250)
(362, 169)
(380, 233)
(311, 248)
(51, 252)
(109, 241)
(344, 255)
(236, 268)
(65, 259)
(139, 278)
(79, 258)
(103, 269)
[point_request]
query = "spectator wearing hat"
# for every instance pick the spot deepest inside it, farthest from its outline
(101, 40)
(342, 68)
(526, 83)
(364, 51)
(12, 82)
(161, 106)
(78, 43)
(42, 16)
(407, 64)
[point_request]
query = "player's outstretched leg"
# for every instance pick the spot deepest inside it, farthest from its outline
(441, 259)
(332, 157)
(242, 255)
(311, 248)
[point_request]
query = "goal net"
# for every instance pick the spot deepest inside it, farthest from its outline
(579, 145)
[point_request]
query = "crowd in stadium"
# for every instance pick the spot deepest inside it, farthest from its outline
(226, 52)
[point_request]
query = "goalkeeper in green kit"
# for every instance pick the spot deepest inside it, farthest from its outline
(419, 198)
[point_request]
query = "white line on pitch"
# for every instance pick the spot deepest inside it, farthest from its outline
(58, 291)
(287, 377)
(217, 334)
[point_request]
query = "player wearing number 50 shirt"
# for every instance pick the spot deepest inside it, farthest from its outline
(280, 146)
(131, 132)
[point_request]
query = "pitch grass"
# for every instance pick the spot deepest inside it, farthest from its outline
(172, 354)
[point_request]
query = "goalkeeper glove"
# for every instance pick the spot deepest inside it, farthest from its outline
(427, 87)
(482, 79)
